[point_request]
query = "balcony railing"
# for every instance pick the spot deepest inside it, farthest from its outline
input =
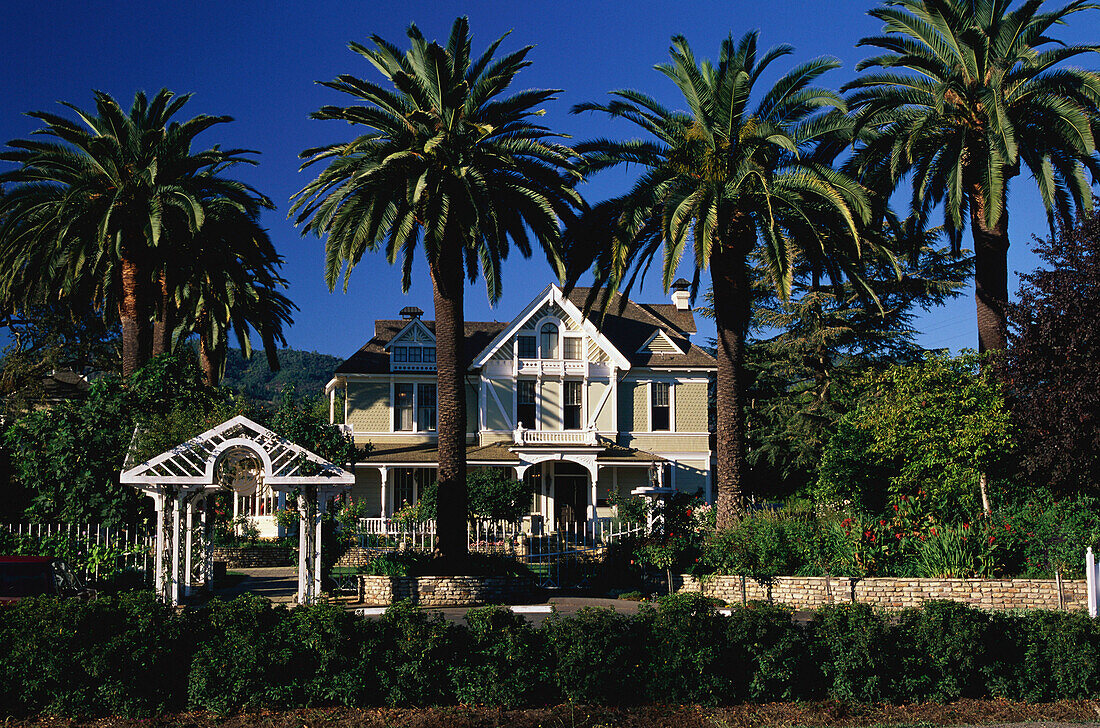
(522, 436)
(553, 367)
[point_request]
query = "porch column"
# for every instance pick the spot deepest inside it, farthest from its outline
(592, 494)
(387, 507)
(332, 406)
(158, 557)
(307, 545)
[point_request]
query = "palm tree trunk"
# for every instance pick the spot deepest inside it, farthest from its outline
(162, 327)
(730, 288)
(209, 361)
(447, 283)
(990, 273)
(133, 315)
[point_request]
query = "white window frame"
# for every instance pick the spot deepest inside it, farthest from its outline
(416, 429)
(579, 338)
(671, 406)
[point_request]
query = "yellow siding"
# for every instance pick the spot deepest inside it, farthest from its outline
(690, 477)
(691, 407)
(631, 478)
(604, 419)
(641, 408)
(626, 404)
(551, 405)
(471, 407)
(369, 406)
(666, 443)
(494, 418)
(368, 490)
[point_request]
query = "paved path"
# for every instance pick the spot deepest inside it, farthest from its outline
(279, 583)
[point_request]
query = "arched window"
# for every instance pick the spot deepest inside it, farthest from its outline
(549, 341)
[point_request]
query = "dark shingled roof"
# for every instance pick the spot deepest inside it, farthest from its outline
(627, 325)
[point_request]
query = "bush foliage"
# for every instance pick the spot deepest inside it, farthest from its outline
(128, 655)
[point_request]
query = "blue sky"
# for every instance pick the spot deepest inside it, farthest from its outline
(258, 61)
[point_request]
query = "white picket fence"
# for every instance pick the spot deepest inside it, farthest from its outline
(127, 547)
(492, 535)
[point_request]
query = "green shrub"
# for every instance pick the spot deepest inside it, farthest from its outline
(504, 661)
(768, 657)
(416, 650)
(943, 652)
(857, 652)
(685, 635)
(120, 655)
(1061, 656)
(598, 655)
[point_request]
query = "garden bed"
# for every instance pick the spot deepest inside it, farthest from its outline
(964, 712)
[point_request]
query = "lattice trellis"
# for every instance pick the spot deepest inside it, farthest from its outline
(286, 465)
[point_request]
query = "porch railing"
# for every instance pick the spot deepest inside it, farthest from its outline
(522, 436)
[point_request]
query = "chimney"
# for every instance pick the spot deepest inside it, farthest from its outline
(411, 312)
(681, 295)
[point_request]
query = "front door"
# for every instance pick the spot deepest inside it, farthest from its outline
(570, 501)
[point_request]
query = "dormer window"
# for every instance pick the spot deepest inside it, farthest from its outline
(414, 354)
(399, 354)
(549, 341)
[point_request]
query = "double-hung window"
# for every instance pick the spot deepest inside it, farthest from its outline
(527, 347)
(402, 407)
(399, 353)
(525, 403)
(549, 335)
(660, 409)
(573, 405)
(572, 347)
(425, 407)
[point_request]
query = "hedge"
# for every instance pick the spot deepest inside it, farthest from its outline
(128, 655)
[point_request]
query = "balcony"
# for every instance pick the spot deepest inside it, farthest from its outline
(553, 367)
(523, 437)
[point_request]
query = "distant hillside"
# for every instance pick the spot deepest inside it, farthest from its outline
(306, 371)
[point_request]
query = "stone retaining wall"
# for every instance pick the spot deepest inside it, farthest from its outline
(250, 557)
(446, 591)
(807, 592)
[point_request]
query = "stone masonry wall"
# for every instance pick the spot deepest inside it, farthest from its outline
(245, 557)
(445, 591)
(807, 592)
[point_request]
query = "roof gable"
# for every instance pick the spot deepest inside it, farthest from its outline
(551, 295)
(659, 343)
(415, 332)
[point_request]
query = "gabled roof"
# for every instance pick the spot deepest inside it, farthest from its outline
(413, 324)
(659, 343)
(552, 294)
(624, 325)
(192, 463)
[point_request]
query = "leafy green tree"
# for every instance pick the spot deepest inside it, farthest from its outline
(969, 89)
(450, 167)
(927, 430)
(743, 184)
(493, 496)
(94, 216)
(306, 372)
(808, 349)
(1050, 367)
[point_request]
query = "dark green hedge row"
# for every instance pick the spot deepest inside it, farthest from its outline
(129, 655)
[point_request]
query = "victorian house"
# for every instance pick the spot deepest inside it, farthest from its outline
(580, 407)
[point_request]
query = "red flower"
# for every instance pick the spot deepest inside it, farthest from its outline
(882, 523)
(991, 539)
(898, 536)
(966, 525)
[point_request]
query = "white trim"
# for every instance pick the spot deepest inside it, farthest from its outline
(414, 323)
(594, 413)
(551, 294)
(644, 348)
(500, 405)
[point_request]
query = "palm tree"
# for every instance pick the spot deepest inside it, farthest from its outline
(743, 184)
(86, 213)
(981, 95)
(448, 167)
(229, 283)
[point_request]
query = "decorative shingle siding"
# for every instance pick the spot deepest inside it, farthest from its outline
(641, 409)
(369, 406)
(691, 407)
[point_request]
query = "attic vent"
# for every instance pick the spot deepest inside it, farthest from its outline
(411, 312)
(660, 343)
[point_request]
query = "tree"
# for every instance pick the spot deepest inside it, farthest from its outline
(924, 431)
(742, 182)
(230, 282)
(448, 167)
(90, 217)
(981, 96)
(1050, 367)
(806, 351)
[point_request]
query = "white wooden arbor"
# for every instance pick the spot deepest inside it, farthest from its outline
(219, 459)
